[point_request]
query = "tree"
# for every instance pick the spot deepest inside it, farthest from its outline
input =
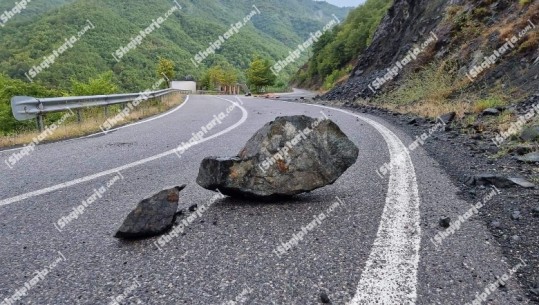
(230, 75)
(337, 49)
(216, 76)
(222, 74)
(101, 84)
(259, 73)
(13, 87)
(166, 68)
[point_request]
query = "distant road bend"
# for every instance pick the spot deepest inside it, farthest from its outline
(374, 249)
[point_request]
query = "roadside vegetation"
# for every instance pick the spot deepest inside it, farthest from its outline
(87, 121)
(91, 120)
(437, 85)
(335, 54)
(440, 80)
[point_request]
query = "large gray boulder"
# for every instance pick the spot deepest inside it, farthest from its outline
(286, 157)
(152, 216)
(530, 134)
(491, 112)
(529, 158)
(448, 117)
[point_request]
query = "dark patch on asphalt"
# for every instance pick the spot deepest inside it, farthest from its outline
(120, 144)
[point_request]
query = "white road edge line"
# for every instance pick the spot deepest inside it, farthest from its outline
(111, 130)
(390, 273)
(53, 188)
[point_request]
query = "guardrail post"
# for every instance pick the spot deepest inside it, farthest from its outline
(79, 117)
(39, 121)
(106, 111)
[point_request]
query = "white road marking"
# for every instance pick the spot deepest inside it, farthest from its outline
(124, 167)
(111, 130)
(390, 273)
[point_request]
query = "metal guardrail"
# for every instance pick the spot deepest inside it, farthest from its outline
(27, 108)
(210, 92)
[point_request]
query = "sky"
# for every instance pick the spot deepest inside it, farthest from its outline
(345, 2)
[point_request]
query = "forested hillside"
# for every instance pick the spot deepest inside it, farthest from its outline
(336, 53)
(32, 8)
(25, 41)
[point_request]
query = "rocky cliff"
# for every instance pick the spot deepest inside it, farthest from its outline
(474, 44)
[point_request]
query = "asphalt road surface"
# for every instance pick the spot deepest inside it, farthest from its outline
(376, 247)
(297, 94)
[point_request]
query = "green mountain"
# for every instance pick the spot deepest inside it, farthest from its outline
(275, 29)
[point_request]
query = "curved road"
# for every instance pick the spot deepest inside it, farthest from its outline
(373, 248)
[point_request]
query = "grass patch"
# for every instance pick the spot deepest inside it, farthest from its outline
(481, 12)
(93, 118)
(431, 84)
(428, 92)
(531, 43)
(490, 102)
(469, 120)
(438, 89)
(504, 120)
(453, 11)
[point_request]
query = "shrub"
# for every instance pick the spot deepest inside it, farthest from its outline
(490, 102)
(431, 84)
(530, 44)
(481, 12)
